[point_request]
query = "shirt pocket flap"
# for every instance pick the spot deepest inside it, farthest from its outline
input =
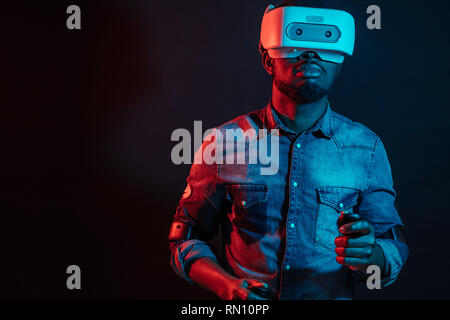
(247, 195)
(339, 198)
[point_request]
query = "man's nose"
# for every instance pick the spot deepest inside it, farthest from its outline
(309, 55)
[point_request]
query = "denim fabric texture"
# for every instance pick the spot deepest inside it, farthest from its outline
(280, 228)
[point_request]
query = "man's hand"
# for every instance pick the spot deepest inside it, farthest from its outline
(207, 273)
(240, 289)
(357, 247)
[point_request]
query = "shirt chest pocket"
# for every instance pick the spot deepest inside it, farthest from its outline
(249, 209)
(331, 201)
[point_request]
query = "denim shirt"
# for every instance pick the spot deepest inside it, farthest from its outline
(281, 228)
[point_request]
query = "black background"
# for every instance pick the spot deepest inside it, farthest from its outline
(87, 115)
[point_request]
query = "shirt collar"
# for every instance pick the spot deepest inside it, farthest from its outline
(323, 125)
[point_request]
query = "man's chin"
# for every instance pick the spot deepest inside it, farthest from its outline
(307, 92)
(311, 91)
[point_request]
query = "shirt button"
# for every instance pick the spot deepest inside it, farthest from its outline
(288, 267)
(292, 225)
(295, 184)
(244, 203)
(299, 145)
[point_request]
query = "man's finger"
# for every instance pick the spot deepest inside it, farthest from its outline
(244, 294)
(362, 227)
(241, 293)
(257, 284)
(254, 296)
(348, 241)
(354, 252)
(354, 262)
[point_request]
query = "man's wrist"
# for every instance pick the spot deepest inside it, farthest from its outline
(207, 273)
(378, 257)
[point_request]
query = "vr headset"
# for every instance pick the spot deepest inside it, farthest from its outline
(287, 32)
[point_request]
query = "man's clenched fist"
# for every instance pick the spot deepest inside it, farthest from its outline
(241, 289)
(357, 247)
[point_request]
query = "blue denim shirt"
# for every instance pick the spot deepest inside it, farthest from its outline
(281, 228)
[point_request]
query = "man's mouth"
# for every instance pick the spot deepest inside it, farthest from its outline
(309, 71)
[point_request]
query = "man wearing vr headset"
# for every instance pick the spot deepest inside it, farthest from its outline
(311, 229)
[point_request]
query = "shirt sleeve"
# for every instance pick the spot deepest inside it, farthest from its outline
(377, 207)
(200, 207)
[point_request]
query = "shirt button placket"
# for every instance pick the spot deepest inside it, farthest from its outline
(291, 232)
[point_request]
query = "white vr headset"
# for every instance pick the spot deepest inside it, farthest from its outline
(287, 32)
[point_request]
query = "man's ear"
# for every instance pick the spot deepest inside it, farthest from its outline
(267, 62)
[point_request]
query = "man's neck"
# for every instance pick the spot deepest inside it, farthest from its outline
(298, 117)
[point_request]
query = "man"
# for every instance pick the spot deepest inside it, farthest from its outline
(280, 233)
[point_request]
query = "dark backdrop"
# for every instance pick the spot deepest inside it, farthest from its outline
(86, 175)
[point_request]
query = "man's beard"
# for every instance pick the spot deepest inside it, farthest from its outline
(307, 92)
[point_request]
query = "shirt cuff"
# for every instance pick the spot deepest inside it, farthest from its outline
(395, 254)
(185, 253)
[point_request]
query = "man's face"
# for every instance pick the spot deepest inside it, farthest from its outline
(304, 79)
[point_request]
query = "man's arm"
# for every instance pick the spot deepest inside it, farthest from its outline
(378, 238)
(208, 274)
(197, 219)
